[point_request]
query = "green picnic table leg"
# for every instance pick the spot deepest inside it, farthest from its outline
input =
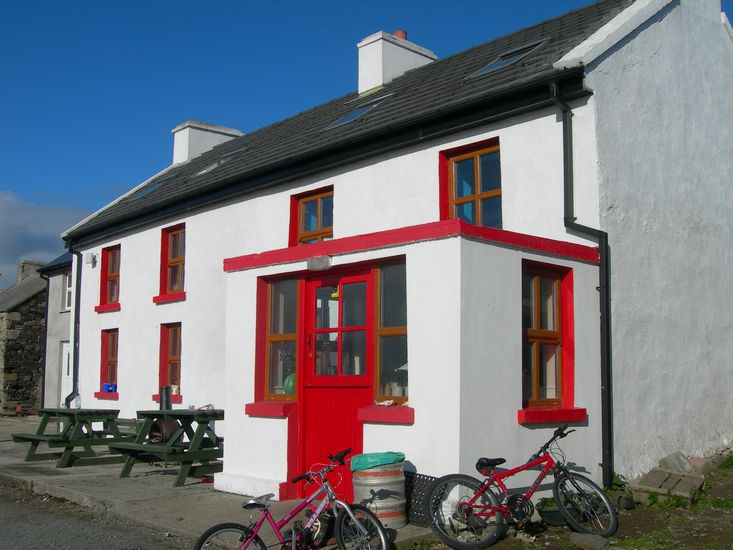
(30, 456)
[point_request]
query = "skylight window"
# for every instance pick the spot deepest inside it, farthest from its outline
(145, 191)
(508, 58)
(214, 165)
(356, 113)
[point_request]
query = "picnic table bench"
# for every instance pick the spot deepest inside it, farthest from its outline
(75, 437)
(197, 450)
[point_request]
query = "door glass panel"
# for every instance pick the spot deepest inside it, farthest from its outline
(490, 173)
(464, 178)
(326, 354)
(393, 299)
(283, 307)
(327, 307)
(491, 212)
(393, 365)
(354, 304)
(549, 363)
(282, 367)
(353, 353)
(547, 304)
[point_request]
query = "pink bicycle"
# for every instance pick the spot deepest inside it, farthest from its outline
(356, 526)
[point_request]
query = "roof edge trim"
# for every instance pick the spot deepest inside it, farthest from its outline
(611, 33)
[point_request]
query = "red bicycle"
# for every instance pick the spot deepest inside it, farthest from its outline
(468, 514)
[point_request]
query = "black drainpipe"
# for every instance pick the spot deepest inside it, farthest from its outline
(45, 343)
(77, 308)
(604, 286)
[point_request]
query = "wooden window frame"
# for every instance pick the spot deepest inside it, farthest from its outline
(107, 278)
(275, 338)
(108, 371)
(380, 331)
(297, 236)
(562, 408)
(446, 171)
(168, 330)
(167, 291)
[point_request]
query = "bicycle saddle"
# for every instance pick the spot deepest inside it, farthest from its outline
(257, 503)
(483, 465)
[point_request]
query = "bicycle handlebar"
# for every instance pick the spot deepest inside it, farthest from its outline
(338, 458)
(559, 433)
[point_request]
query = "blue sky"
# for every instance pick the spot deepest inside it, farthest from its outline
(90, 90)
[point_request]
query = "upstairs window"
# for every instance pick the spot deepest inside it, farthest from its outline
(172, 264)
(312, 217)
(109, 291)
(475, 186)
(66, 289)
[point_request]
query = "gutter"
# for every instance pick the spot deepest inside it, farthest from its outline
(77, 310)
(604, 285)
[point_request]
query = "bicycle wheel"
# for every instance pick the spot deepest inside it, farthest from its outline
(348, 534)
(227, 535)
(584, 505)
(457, 525)
(321, 531)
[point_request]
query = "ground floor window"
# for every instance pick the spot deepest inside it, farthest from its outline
(391, 333)
(108, 375)
(170, 357)
(282, 318)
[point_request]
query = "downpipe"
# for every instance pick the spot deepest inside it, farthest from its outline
(77, 309)
(604, 285)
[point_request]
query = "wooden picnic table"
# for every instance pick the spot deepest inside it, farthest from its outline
(197, 449)
(76, 435)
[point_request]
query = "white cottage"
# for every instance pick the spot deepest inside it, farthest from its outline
(441, 240)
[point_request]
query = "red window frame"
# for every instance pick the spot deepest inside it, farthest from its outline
(563, 408)
(172, 265)
(108, 364)
(109, 280)
(296, 236)
(170, 358)
(446, 159)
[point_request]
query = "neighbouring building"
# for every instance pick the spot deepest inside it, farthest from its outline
(450, 261)
(22, 329)
(58, 373)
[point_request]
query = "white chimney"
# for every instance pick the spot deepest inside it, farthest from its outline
(191, 138)
(383, 57)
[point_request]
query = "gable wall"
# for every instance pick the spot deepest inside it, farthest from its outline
(664, 112)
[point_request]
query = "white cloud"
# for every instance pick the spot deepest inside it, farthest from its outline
(31, 232)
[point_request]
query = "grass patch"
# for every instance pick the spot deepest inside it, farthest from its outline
(649, 541)
(722, 504)
(727, 462)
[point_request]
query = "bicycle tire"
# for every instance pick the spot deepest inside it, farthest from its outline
(348, 537)
(453, 525)
(584, 506)
(227, 535)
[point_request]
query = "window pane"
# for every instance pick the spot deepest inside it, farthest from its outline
(327, 307)
(175, 277)
(393, 365)
(174, 373)
(282, 365)
(549, 379)
(547, 304)
(353, 353)
(112, 350)
(527, 392)
(393, 298)
(354, 304)
(326, 212)
(309, 221)
(114, 261)
(174, 246)
(174, 337)
(112, 291)
(491, 212)
(326, 363)
(464, 177)
(490, 172)
(466, 212)
(283, 307)
(527, 301)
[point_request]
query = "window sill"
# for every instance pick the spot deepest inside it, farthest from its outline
(104, 308)
(270, 409)
(551, 415)
(398, 414)
(168, 298)
(109, 395)
(176, 398)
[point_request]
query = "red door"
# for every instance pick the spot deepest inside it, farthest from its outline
(338, 369)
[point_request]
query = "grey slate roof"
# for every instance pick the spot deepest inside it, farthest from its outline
(13, 296)
(62, 263)
(420, 94)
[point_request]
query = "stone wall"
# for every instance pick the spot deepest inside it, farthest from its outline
(22, 348)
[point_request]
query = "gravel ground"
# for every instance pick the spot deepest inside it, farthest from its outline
(35, 521)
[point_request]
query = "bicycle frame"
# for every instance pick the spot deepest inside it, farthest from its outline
(496, 479)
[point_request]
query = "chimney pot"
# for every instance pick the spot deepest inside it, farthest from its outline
(399, 33)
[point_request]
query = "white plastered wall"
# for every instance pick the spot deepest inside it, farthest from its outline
(664, 111)
(58, 330)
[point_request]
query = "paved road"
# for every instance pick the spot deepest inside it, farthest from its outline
(33, 521)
